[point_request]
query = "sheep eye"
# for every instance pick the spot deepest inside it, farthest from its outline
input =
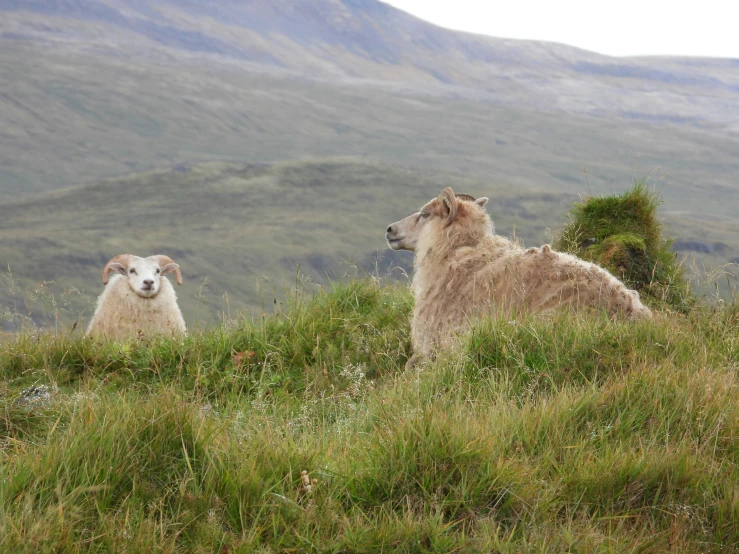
(425, 215)
(132, 271)
(158, 271)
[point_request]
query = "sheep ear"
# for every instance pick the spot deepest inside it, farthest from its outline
(169, 268)
(119, 264)
(482, 201)
(449, 200)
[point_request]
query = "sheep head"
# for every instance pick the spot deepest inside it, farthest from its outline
(441, 213)
(144, 274)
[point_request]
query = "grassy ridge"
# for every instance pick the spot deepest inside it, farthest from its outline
(544, 435)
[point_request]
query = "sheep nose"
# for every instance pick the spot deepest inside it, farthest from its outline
(148, 282)
(390, 229)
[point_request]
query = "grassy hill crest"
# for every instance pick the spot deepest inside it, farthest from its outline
(518, 440)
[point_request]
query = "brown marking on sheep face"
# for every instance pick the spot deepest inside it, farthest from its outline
(403, 234)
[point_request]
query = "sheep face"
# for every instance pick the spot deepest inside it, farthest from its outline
(144, 274)
(434, 217)
(403, 234)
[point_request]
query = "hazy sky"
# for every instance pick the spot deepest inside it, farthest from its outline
(624, 28)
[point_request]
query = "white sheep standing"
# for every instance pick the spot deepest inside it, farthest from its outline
(138, 301)
(463, 270)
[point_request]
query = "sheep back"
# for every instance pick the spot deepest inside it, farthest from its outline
(496, 276)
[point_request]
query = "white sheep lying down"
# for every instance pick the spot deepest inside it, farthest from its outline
(463, 270)
(138, 301)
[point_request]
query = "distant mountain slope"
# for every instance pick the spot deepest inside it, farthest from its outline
(68, 118)
(231, 226)
(369, 40)
(242, 231)
(98, 88)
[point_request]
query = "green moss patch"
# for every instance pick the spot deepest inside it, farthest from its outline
(623, 234)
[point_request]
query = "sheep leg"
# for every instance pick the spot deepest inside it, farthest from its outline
(413, 361)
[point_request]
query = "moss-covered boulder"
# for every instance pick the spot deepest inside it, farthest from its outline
(623, 234)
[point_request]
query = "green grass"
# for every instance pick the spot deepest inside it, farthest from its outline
(556, 434)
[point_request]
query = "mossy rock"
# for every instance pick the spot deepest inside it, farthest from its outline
(623, 234)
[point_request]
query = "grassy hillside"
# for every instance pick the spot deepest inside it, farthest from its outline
(73, 117)
(242, 232)
(564, 434)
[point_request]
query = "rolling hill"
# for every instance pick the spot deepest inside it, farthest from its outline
(99, 88)
(78, 119)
